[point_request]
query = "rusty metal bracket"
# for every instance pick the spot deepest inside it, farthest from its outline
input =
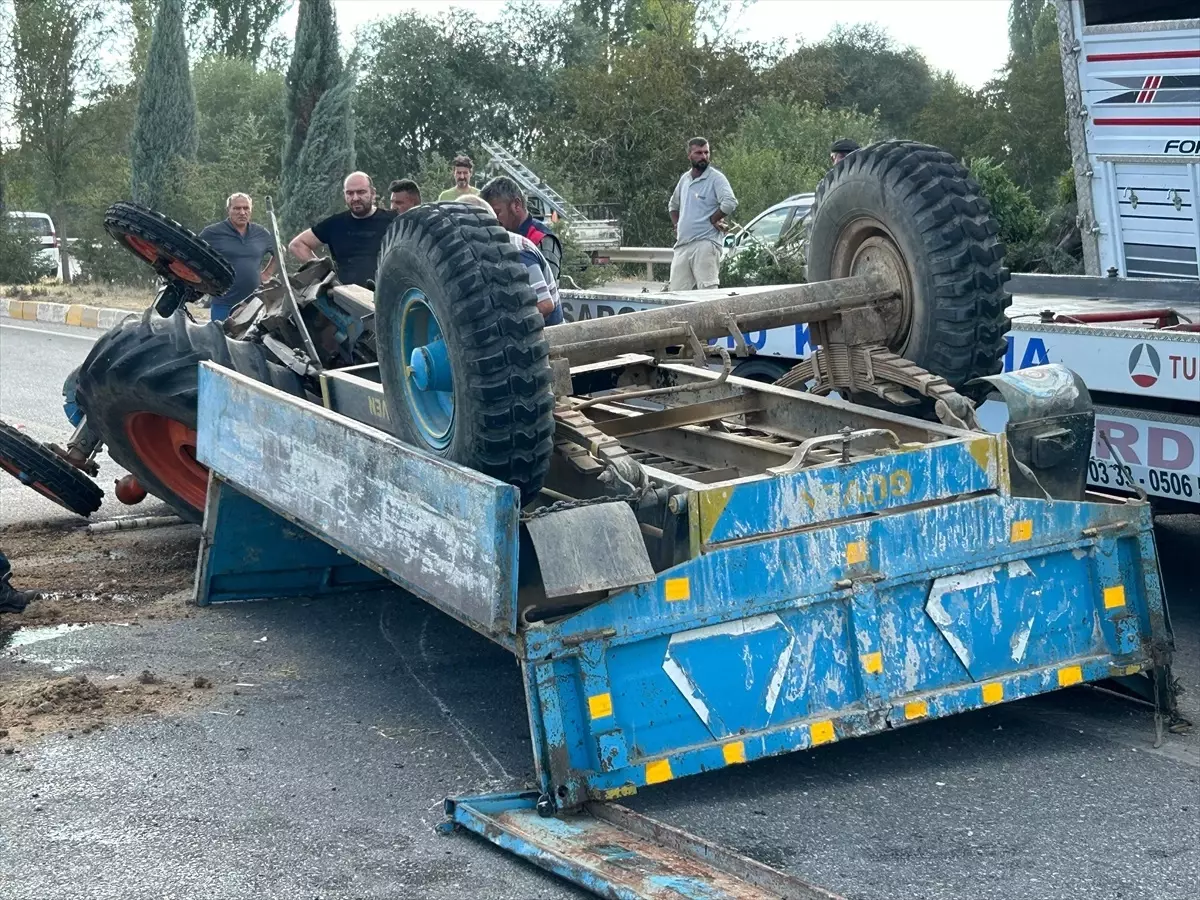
(845, 438)
(876, 370)
(726, 369)
(740, 347)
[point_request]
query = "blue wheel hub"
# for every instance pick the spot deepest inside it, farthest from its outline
(428, 379)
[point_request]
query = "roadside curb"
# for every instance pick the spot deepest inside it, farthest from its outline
(63, 313)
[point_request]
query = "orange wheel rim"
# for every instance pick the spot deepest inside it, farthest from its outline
(142, 247)
(184, 272)
(167, 447)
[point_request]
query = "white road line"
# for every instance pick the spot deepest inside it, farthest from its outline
(75, 337)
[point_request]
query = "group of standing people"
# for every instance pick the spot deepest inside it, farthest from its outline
(355, 235)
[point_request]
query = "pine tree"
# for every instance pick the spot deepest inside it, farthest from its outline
(164, 132)
(316, 67)
(327, 157)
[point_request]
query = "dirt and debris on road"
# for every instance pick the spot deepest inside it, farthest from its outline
(101, 577)
(81, 704)
(89, 578)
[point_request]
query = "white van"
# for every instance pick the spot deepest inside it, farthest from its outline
(41, 227)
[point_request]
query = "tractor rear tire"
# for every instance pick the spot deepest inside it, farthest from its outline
(913, 210)
(138, 388)
(36, 465)
(448, 274)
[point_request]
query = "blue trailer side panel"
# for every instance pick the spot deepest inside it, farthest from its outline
(442, 531)
(775, 645)
(248, 552)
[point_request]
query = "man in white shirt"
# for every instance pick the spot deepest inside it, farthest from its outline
(702, 199)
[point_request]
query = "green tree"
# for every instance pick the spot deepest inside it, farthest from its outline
(237, 29)
(865, 70)
(1027, 122)
(475, 81)
(56, 69)
(623, 125)
(315, 68)
(328, 156)
(231, 93)
(240, 29)
(1023, 18)
(780, 150)
(955, 118)
(164, 132)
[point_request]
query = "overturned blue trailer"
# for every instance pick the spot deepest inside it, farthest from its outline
(811, 571)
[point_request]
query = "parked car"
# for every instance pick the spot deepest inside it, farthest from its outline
(40, 226)
(772, 224)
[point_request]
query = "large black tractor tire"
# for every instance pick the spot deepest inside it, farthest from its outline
(912, 209)
(138, 388)
(450, 269)
(39, 467)
(169, 248)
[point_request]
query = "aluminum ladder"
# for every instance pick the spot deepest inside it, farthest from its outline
(531, 184)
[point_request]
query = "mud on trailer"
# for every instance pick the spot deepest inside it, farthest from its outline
(693, 570)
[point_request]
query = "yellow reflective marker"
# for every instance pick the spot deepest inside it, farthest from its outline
(993, 693)
(872, 663)
(918, 709)
(600, 705)
(734, 753)
(856, 552)
(658, 771)
(1069, 676)
(625, 790)
(675, 589)
(821, 733)
(1114, 597)
(1022, 530)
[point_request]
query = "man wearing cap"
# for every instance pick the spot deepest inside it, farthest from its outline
(841, 149)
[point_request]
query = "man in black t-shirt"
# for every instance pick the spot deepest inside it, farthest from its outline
(353, 237)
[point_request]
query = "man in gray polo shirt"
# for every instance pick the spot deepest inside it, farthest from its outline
(702, 198)
(244, 246)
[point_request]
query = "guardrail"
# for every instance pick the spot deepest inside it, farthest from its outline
(648, 255)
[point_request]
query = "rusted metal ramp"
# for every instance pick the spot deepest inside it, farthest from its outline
(618, 853)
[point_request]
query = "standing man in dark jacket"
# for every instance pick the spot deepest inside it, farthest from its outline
(244, 246)
(508, 203)
(353, 237)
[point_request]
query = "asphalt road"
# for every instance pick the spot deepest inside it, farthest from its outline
(35, 360)
(322, 776)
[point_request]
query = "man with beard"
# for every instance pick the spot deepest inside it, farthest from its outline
(353, 237)
(462, 171)
(702, 199)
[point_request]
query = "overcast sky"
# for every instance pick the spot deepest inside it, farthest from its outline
(967, 37)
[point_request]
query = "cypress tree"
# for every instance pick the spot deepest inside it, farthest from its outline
(315, 68)
(164, 132)
(327, 157)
